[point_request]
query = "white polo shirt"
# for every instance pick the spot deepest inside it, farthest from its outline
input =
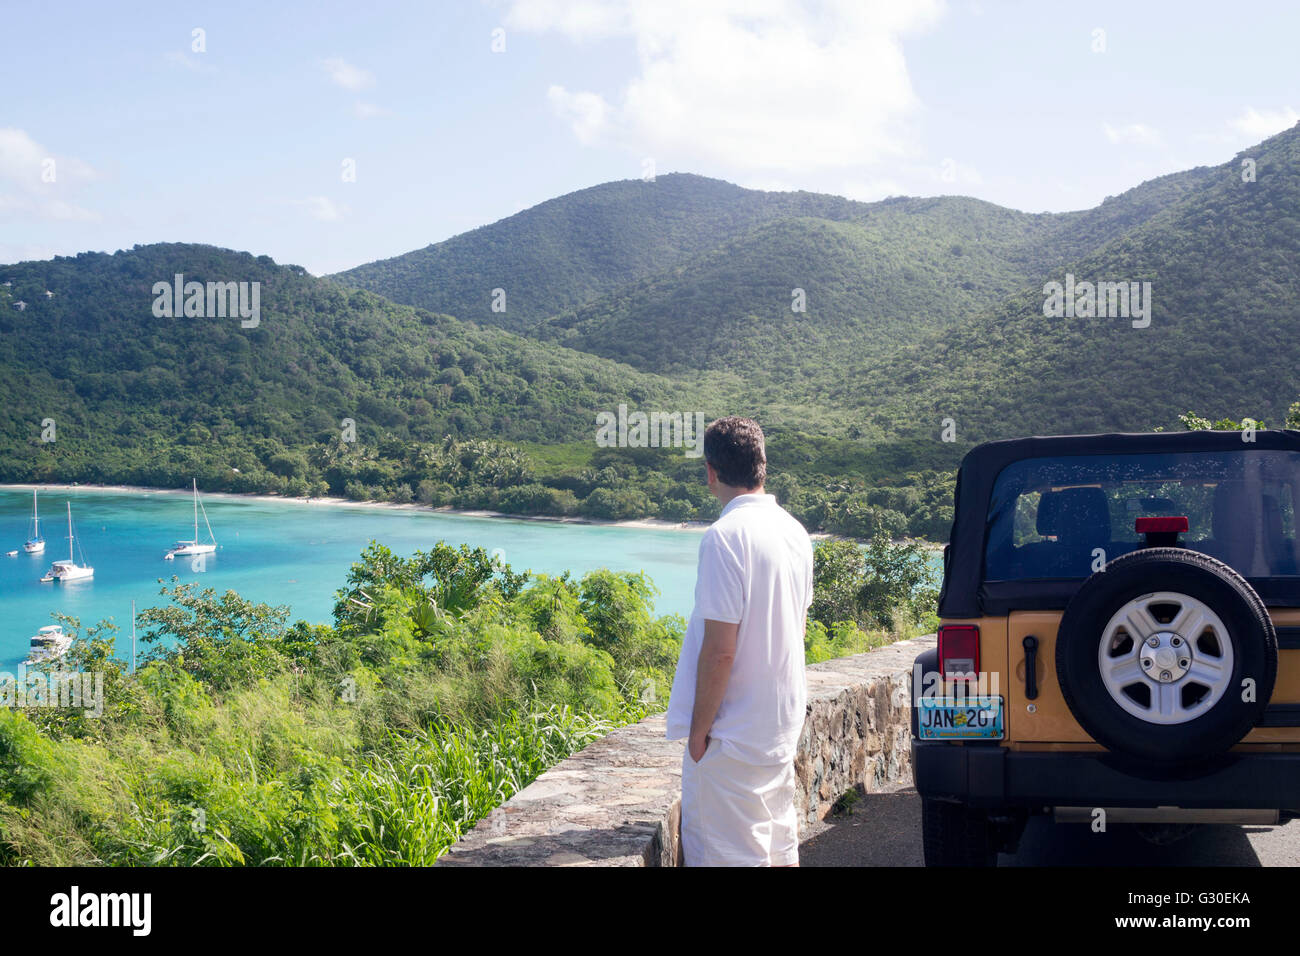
(755, 568)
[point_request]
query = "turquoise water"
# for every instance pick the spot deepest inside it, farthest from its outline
(280, 553)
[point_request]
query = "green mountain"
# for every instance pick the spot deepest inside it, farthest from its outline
(570, 250)
(141, 398)
(901, 269)
(687, 275)
(1223, 263)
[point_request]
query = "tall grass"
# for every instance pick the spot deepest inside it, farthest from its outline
(401, 804)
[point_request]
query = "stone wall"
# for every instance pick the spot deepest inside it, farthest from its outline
(618, 801)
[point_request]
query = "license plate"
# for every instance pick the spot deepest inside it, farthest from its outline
(963, 718)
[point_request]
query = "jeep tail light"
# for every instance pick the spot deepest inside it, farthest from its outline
(959, 652)
(1175, 524)
(1161, 531)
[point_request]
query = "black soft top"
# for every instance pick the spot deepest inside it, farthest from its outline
(963, 593)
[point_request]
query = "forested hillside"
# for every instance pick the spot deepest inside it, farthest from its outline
(445, 413)
(136, 397)
(868, 285)
(816, 309)
(1223, 261)
(567, 251)
(685, 273)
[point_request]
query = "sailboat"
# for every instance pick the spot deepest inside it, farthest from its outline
(35, 544)
(194, 545)
(69, 570)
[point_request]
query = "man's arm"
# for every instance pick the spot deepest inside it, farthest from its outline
(717, 653)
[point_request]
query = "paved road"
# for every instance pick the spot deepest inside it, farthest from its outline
(885, 830)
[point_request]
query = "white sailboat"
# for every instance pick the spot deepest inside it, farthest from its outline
(35, 544)
(194, 545)
(69, 570)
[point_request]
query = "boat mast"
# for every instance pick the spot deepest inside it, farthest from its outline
(199, 505)
(36, 517)
(70, 558)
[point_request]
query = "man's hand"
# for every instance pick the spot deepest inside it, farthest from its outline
(697, 746)
(713, 670)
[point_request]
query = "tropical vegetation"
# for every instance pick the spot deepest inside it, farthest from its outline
(444, 684)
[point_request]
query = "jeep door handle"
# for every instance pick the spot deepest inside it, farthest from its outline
(1031, 667)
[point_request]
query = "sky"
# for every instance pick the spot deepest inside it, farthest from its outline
(331, 134)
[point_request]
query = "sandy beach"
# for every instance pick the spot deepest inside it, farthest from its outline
(653, 524)
(656, 524)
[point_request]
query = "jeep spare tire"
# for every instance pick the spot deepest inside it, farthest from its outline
(1167, 656)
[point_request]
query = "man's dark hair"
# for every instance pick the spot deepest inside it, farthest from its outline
(734, 447)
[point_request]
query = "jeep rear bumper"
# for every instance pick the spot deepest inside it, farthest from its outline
(995, 777)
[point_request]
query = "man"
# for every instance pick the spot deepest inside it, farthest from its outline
(739, 695)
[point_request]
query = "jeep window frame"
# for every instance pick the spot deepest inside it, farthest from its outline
(965, 592)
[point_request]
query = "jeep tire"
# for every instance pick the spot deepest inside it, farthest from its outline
(1171, 737)
(953, 834)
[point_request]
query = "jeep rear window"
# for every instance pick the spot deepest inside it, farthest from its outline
(1064, 517)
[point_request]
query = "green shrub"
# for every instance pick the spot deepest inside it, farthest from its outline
(879, 585)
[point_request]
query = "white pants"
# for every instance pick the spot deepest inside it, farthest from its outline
(736, 813)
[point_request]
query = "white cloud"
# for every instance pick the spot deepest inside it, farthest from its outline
(1132, 134)
(363, 110)
(18, 208)
(352, 77)
(321, 208)
(587, 113)
(344, 74)
(576, 19)
(69, 212)
(22, 161)
(1261, 124)
(776, 86)
(27, 191)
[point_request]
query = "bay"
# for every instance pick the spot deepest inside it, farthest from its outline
(281, 552)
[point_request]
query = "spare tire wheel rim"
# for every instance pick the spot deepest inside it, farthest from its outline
(1165, 657)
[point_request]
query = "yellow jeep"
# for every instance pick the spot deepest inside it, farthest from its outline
(1119, 639)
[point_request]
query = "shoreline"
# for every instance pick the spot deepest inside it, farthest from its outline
(646, 524)
(650, 524)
